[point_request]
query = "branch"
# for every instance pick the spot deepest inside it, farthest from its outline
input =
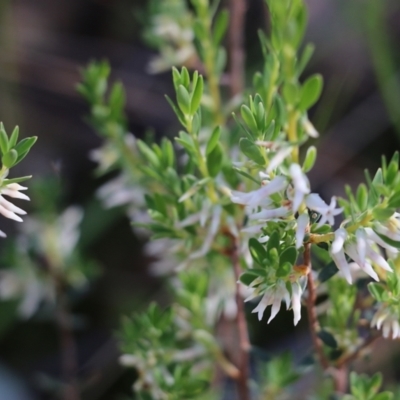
(312, 312)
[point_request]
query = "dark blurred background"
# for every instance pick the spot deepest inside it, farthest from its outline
(44, 43)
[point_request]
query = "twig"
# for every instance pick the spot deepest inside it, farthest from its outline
(242, 380)
(311, 311)
(235, 39)
(348, 358)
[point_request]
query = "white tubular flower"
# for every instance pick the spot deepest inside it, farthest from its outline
(278, 158)
(351, 250)
(372, 236)
(274, 296)
(328, 212)
(302, 223)
(386, 320)
(256, 197)
(338, 256)
(338, 242)
(8, 209)
(267, 215)
(363, 251)
(301, 185)
(296, 302)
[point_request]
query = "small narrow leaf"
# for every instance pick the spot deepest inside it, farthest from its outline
(257, 251)
(9, 158)
(14, 137)
(328, 339)
(196, 95)
(310, 158)
(310, 92)
(3, 139)
(377, 291)
(248, 118)
(220, 26)
(214, 161)
(182, 96)
(289, 255)
(214, 138)
(327, 272)
(251, 150)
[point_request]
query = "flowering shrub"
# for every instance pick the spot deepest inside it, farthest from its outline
(232, 217)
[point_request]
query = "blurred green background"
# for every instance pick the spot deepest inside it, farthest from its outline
(43, 43)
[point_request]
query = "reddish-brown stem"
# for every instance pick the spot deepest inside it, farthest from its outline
(311, 310)
(235, 39)
(244, 343)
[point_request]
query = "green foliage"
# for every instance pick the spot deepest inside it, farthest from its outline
(366, 388)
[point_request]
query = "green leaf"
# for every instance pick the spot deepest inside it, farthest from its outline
(185, 77)
(394, 200)
(9, 158)
(214, 160)
(248, 277)
(196, 95)
(3, 139)
(309, 159)
(273, 242)
(284, 270)
(177, 111)
(391, 173)
(14, 137)
(257, 251)
(214, 138)
(327, 272)
(384, 396)
(220, 26)
(251, 150)
(246, 175)
(362, 197)
(382, 214)
(25, 145)
(176, 78)
(310, 92)
(328, 339)
(148, 153)
(248, 118)
(377, 291)
(289, 255)
(16, 180)
(305, 58)
(290, 93)
(183, 98)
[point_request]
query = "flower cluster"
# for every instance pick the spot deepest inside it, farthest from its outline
(283, 199)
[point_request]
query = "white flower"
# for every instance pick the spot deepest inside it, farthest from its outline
(267, 215)
(296, 302)
(301, 185)
(8, 209)
(388, 321)
(338, 256)
(302, 222)
(328, 212)
(361, 250)
(256, 197)
(278, 158)
(274, 295)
